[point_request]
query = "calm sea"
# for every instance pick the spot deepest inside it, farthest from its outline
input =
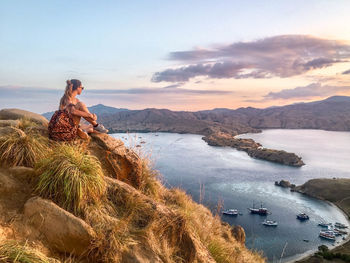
(232, 177)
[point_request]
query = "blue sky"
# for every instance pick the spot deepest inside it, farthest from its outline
(123, 45)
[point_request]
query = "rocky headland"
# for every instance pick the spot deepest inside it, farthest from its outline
(254, 149)
(98, 201)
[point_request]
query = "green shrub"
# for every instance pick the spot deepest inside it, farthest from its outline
(70, 177)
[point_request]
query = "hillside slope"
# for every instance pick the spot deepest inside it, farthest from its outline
(98, 201)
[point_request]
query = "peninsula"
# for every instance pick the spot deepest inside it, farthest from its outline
(254, 149)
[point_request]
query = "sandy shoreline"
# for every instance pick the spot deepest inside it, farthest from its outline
(310, 253)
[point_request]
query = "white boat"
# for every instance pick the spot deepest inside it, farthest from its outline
(325, 224)
(340, 225)
(327, 235)
(230, 212)
(270, 223)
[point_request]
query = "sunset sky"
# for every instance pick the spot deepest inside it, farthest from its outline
(180, 55)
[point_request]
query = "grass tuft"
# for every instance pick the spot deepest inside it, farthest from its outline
(70, 177)
(13, 252)
(20, 149)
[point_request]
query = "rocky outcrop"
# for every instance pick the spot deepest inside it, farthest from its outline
(15, 114)
(61, 229)
(117, 161)
(254, 149)
(285, 184)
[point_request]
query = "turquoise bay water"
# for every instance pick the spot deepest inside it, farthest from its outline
(237, 180)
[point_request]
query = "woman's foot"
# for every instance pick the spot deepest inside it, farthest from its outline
(100, 128)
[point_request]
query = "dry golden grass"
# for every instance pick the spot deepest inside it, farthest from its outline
(13, 252)
(70, 177)
(20, 149)
(164, 223)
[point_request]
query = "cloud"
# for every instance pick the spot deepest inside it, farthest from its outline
(280, 56)
(218, 70)
(346, 72)
(309, 91)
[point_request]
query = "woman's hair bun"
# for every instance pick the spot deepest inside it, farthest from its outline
(69, 82)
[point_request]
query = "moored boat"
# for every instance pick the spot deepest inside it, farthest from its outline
(259, 211)
(325, 224)
(231, 212)
(327, 235)
(270, 223)
(342, 232)
(340, 225)
(302, 216)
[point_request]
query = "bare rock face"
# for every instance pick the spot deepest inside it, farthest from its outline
(239, 234)
(120, 162)
(61, 229)
(15, 114)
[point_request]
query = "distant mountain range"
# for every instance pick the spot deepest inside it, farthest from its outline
(330, 114)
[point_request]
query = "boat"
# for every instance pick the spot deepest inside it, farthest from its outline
(342, 232)
(325, 224)
(259, 211)
(327, 235)
(231, 212)
(340, 225)
(302, 216)
(336, 232)
(269, 223)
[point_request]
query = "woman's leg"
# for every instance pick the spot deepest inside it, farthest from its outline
(81, 106)
(96, 127)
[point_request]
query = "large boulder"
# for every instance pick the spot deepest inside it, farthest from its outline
(15, 114)
(8, 184)
(118, 161)
(62, 230)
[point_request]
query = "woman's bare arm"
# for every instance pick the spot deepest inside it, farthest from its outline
(82, 113)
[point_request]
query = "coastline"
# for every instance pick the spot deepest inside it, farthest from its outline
(310, 253)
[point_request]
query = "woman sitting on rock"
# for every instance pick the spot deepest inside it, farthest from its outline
(65, 123)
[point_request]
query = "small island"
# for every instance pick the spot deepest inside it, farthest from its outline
(254, 149)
